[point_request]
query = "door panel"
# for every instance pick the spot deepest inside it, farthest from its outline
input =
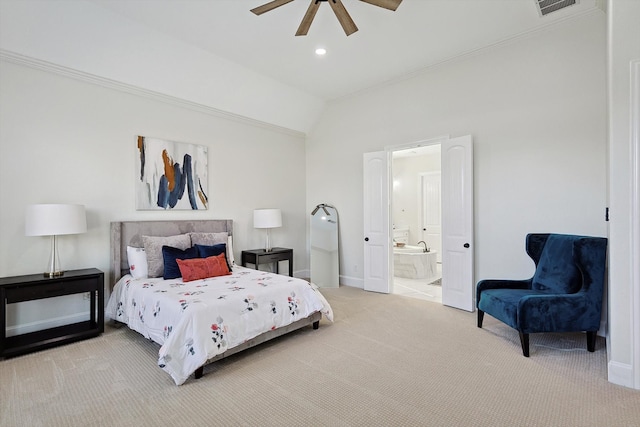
(377, 236)
(432, 212)
(458, 287)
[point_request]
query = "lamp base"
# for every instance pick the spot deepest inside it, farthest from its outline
(54, 260)
(53, 273)
(267, 243)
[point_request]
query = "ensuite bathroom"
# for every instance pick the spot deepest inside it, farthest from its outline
(417, 229)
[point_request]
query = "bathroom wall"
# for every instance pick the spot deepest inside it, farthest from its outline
(407, 197)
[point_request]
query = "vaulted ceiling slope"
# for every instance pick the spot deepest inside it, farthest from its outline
(217, 53)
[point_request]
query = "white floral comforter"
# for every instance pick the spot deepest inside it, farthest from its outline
(195, 321)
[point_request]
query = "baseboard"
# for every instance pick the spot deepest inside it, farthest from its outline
(39, 325)
(355, 282)
(620, 374)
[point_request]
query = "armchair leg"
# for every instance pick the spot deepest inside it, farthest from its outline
(591, 340)
(524, 342)
(480, 317)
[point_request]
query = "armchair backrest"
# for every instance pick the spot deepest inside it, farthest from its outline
(590, 254)
(556, 271)
(559, 258)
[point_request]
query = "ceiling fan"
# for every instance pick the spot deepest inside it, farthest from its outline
(345, 20)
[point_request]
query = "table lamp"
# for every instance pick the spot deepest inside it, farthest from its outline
(268, 219)
(55, 220)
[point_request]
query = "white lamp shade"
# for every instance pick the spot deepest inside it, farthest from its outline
(267, 218)
(55, 220)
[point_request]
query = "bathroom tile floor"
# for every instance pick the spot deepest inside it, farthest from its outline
(419, 288)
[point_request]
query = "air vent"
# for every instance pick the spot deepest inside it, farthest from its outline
(547, 6)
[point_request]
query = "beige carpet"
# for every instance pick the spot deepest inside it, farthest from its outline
(388, 360)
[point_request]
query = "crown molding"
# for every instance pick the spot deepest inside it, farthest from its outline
(38, 64)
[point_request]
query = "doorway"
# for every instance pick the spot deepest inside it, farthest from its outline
(416, 222)
(456, 156)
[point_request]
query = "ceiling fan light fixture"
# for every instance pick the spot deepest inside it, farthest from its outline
(338, 8)
(321, 51)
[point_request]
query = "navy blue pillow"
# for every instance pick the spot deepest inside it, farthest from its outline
(214, 250)
(170, 254)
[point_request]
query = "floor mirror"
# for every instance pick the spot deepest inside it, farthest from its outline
(325, 269)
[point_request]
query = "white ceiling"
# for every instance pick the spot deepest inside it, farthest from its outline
(388, 46)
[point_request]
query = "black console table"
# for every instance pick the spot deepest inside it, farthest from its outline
(275, 255)
(35, 287)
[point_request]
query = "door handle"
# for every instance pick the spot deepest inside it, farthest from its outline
(466, 245)
(366, 239)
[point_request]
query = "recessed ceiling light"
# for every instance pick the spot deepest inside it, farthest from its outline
(321, 51)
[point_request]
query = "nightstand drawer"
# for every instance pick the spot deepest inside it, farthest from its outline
(28, 293)
(273, 258)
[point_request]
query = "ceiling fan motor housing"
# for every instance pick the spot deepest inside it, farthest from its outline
(338, 8)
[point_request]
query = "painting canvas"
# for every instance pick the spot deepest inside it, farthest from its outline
(171, 175)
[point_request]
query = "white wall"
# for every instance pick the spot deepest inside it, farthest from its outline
(536, 108)
(65, 140)
(624, 284)
(86, 37)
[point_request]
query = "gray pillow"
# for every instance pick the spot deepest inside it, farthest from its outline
(208, 239)
(153, 248)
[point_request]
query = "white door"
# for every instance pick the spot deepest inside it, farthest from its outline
(377, 256)
(458, 287)
(431, 212)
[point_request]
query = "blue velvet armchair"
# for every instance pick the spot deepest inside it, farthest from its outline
(564, 294)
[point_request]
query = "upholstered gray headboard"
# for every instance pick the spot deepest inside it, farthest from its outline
(129, 233)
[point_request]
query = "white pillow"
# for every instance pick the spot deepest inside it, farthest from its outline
(137, 258)
(230, 258)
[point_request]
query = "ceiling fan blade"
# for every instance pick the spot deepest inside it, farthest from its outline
(303, 29)
(269, 6)
(387, 4)
(345, 20)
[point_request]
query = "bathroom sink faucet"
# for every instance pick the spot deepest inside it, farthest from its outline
(426, 249)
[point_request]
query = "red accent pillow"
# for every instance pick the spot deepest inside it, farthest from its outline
(202, 268)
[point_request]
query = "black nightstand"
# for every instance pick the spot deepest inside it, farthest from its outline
(36, 286)
(260, 256)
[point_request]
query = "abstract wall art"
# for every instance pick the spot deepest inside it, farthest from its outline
(170, 175)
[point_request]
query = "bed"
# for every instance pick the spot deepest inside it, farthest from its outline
(197, 321)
